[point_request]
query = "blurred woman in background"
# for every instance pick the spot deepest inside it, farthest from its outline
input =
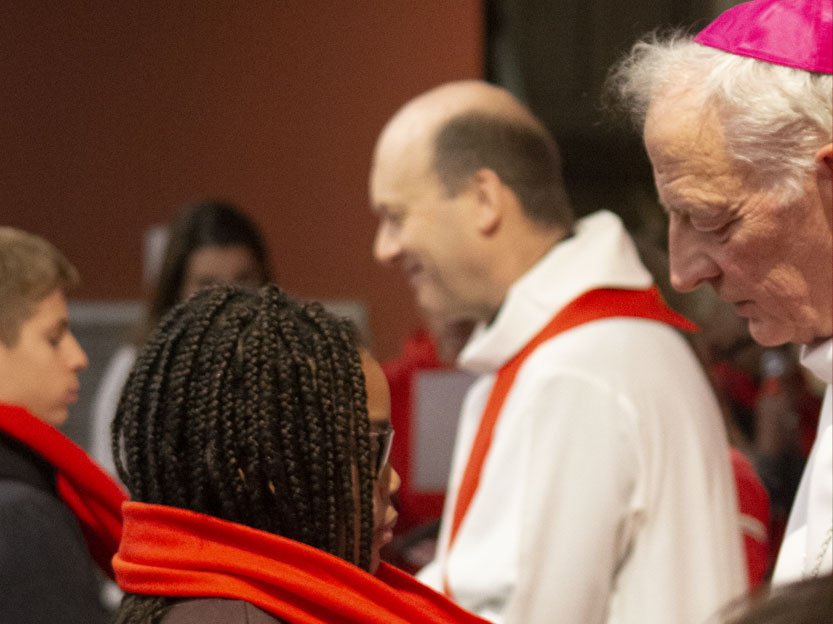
(210, 242)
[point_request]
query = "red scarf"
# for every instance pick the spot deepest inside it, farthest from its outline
(168, 551)
(591, 306)
(89, 492)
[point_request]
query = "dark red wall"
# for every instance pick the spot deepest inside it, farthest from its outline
(114, 114)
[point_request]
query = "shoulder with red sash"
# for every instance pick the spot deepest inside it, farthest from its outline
(90, 493)
(168, 551)
(591, 306)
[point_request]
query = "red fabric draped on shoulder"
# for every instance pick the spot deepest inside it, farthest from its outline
(167, 551)
(89, 492)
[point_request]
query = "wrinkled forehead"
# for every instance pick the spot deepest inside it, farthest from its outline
(678, 129)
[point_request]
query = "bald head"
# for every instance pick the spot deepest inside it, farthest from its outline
(421, 118)
(467, 187)
(458, 128)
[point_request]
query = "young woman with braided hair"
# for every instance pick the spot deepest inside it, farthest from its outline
(253, 435)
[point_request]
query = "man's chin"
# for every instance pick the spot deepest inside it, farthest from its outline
(430, 306)
(771, 334)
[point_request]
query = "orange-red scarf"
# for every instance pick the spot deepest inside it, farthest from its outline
(89, 492)
(168, 551)
(592, 305)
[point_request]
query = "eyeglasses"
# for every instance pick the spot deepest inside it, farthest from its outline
(380, 445)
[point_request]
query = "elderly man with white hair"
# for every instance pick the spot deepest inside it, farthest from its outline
(737, 124)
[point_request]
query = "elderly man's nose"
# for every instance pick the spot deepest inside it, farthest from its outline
(689, 261)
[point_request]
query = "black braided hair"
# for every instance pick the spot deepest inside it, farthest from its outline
(250, 407)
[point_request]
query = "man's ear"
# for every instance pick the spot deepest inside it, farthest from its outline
(824, 159)
(824, 178)
(489, 191)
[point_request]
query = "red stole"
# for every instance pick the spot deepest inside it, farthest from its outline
(168, 551)
(592, 305)
(90, 493)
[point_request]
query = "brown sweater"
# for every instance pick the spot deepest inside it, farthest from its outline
(217, 611)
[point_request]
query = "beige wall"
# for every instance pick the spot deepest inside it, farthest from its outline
(114, 114)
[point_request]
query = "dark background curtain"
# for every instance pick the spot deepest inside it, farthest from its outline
(555, 56)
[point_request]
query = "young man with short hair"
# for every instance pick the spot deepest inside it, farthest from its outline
(53, 498)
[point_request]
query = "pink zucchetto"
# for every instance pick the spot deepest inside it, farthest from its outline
(795, 33)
